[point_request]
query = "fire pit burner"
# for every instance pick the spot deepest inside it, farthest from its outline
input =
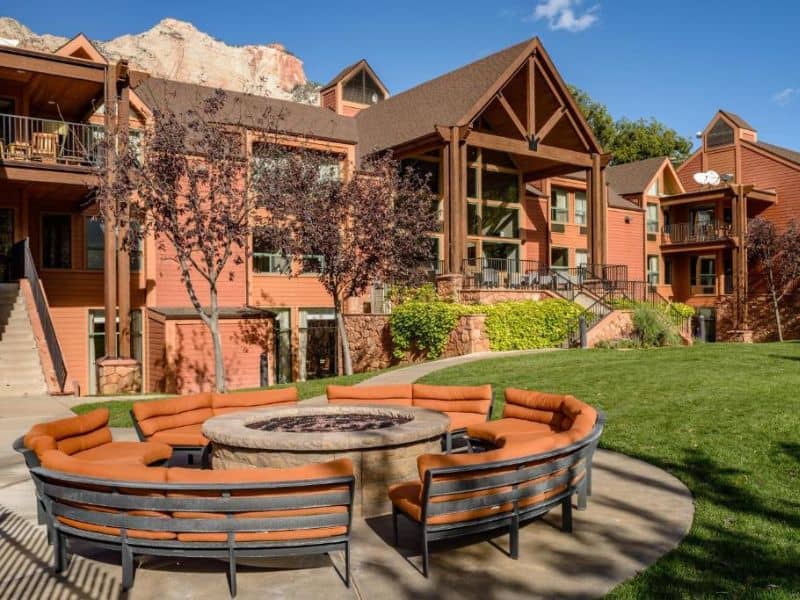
(328, 423)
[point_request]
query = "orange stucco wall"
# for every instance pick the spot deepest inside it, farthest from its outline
(625, 241)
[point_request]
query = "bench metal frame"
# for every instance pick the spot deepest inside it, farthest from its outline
(570, 466)
(61, 494)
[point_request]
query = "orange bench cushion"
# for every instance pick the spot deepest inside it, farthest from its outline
(222, 404)
(556, 410)
(461, 420)
(453, 398)
(127, 453)
(188, 435)
(494, 431)
(157, 415)
(70, 435)
(396, 394)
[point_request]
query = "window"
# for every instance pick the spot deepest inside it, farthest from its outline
(56, 242)
(581, 258)
(499, 221)
(503, 187)
(271, 262)
(330, 171)
(655, 189)
(652, 218)
(426, 169)
(668, 271)
(580, 208)
(96, 242)
(559, 258)
(362, 88)
(558, 206)
(720, 134)
(312, 263)
(703, 273)
(473, 219)
(500, 251)
(472, 182)
(652, 269)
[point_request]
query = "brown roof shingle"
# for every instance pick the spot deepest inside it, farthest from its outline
(632, 178)
(248, 109)
(791, 155)
(738, 121)
(440, 101)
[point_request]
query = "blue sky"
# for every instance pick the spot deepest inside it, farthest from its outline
(678, 61)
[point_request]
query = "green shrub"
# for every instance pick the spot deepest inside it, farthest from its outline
(529, 324)
(653, 327)
(423, 326)
(426, 292)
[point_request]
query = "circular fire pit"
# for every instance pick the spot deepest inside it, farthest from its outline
(382, 441)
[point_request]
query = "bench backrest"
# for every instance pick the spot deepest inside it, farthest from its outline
(453, 398)
(521, 477)
(153, 416)
(70, 435)
(237, 401)
(560, 412)
(396, 395)
(191, 505)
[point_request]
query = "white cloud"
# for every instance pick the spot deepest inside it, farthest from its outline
(785, 96)
(563, 14)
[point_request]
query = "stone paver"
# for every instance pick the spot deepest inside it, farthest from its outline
(637, 513)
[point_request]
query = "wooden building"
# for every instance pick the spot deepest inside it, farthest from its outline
(521, 178)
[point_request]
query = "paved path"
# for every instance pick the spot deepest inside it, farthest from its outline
(638, 513)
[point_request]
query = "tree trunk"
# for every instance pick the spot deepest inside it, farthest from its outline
(776, 308)
(347, 361)
(213, 327)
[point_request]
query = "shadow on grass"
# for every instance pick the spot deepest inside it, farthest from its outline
(730, 549)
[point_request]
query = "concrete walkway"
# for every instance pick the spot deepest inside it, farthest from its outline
(637, 513)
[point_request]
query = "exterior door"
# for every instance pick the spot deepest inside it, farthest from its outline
(321, 349)
(6, 242)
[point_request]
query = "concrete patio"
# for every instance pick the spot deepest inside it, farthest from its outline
(637, 513)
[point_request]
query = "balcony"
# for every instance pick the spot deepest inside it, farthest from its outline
(696, 233)
(49, 141)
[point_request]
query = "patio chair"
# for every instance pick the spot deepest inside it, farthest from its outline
(45, 146)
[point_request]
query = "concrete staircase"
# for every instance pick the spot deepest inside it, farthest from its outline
(20, 368)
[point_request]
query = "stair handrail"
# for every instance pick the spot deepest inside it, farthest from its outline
(25, 268)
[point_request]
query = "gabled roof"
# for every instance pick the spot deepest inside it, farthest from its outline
(634, 177)
(350, 69)
(248, 109)
(791, 155)
(737, 120)
(441, 101)
(614, 200)
(81, 45)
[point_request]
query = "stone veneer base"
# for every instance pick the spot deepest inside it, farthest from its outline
(380, 457)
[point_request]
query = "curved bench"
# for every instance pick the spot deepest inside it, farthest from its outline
(178, 422)
(182, 512)
(464, 405)
(87, 437)
(524, 478)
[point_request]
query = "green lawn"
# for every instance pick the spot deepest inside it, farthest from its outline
(725, 420)
(120, 409)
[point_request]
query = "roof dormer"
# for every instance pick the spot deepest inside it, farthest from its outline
(355, 88)
(725, 129)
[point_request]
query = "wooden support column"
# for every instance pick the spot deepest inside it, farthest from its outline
(110, 240)
(455, 202)
(123, 255)
(597, 212)
(735, 252)
(444, 177)
(742, 266)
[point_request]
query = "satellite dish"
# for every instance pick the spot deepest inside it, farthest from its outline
(707, 178)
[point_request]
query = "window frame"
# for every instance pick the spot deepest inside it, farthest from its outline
(652, 225)
(554, 191)
(583, 214)
(553, 249)
(653, 276)
(42, 219)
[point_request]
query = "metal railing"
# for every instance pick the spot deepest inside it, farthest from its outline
(505, 273)
(693, 233)
(23, 267)
(50, 140)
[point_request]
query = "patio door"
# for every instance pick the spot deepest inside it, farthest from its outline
(318, 347)
(6, 242)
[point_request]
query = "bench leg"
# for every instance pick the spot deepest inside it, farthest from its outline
(395, 524)
(582, 489)
(60, 556)
(232, 572)
(513, 534)
(347, 563)
(566, 514)
(426, 555)
(128, 568)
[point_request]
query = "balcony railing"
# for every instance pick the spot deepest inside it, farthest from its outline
(694, 233)
(50, 141)
(510, 273)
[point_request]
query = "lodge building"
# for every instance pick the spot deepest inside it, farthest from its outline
(527, 197)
